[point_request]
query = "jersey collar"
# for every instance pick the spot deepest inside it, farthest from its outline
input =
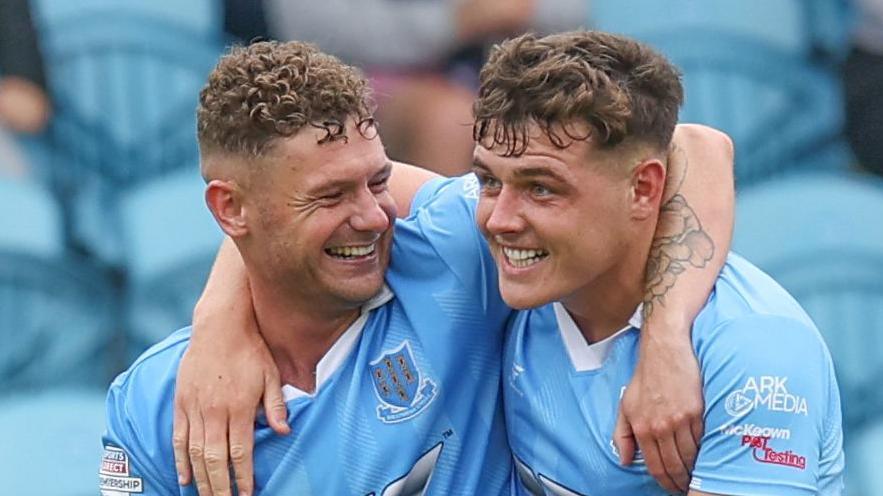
(341, 349)
(585, 356)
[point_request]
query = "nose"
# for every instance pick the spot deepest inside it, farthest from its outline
(372, 213)
(504, 216)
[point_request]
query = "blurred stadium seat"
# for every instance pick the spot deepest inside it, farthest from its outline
(56, 314)
(863, 461)
(753, 69)
(32, 221)
(125, 80)
(171, 239)
(819, 236)
(51, 442)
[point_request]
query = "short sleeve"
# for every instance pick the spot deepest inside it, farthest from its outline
(441, 236)
(768, 416)
(138, 456)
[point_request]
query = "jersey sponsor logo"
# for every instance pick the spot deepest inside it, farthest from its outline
(756, 430)
(399, 385)
(114, 477)
(764, 453)
(766, 391)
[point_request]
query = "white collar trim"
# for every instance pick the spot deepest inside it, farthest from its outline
(585, 356)
(341, 349)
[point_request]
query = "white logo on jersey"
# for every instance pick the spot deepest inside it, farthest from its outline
(471, 187)
(756, 431)
(765, 391)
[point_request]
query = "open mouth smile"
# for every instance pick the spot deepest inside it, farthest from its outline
(524, 258)
(351, 252)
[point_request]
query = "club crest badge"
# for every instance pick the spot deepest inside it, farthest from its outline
(400, 386)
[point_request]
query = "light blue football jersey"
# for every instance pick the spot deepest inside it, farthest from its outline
(772, 408)
(408, 399)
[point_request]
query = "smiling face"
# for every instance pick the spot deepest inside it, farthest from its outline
(557, 222)
(321, 217)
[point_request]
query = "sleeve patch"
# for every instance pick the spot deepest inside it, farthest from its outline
(114, 476)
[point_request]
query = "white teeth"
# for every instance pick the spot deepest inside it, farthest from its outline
(523, 258)
(351, 251)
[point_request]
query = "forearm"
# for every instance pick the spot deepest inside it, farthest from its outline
(695, 228)
(404, 182)
(226, 291)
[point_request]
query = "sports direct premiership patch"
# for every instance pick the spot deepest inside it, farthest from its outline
(114, 477)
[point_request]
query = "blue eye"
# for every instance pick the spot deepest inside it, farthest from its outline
(489, 182)
(540, 190)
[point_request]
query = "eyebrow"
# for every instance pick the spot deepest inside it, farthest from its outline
(523, 172)
(345, 183)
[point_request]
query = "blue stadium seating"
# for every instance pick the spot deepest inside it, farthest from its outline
(124, 78)
(170, 240)
(751, 68)
(51, 442)
(32, 222)
(821, 237)
(55, 313)
(864, 458)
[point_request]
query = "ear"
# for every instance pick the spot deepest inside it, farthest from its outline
(224, 199)
(648, 183)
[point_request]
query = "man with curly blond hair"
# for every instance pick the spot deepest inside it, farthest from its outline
(388, 344)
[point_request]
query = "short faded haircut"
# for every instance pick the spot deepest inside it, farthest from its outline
(269, 90)
(622, 89)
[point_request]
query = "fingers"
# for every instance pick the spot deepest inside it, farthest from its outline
(216, 463)
(180, 437)
(674, 466)
(274, 406)
(687, 447)
(241, 450)
(196, 451)
(624, 439)
(655, 465)
(697, 429)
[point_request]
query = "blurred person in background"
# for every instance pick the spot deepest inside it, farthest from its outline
(863, 82)
(422, 56)
(24, 103)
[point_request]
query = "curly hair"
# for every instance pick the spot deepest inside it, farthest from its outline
(269, 90)
(619, 87)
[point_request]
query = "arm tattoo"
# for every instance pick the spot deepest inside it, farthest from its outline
(680, 243)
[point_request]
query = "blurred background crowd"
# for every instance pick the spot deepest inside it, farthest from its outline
(105, 241)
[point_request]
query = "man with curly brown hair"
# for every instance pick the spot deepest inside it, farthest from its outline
(572, 133)
(388, 345)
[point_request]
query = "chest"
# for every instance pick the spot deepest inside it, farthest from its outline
(561, 421)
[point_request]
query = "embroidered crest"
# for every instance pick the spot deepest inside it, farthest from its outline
(399, 385)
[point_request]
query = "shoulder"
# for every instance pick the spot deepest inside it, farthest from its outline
(748, 310)
(157, 366)
(142, 397)
(138, 433)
